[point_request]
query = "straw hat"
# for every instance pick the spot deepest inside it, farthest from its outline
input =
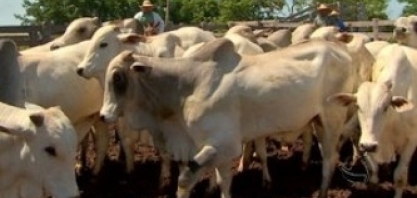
(334, 13)
(323, 7)
(147, 3)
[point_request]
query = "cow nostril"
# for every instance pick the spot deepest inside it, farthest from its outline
(80, 71)
(369, 147)
(54, 47)
(403, 30)
(102, 118)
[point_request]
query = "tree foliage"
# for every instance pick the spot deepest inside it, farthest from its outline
(185, 11)
(374, 8)
(410, 7)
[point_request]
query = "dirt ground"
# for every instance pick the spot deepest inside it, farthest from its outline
(289, 180)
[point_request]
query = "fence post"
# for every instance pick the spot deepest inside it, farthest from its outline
(375, 28)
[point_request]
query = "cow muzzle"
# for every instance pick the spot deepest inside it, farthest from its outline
(370, 147)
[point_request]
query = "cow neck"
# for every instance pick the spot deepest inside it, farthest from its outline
(141, 48)
(76, 51)
(13, 115)
(172, 81)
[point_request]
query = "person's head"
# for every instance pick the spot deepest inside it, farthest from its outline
(334, 14)
(323, 10)
(147, 6)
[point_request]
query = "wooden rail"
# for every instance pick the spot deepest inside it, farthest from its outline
(36, 35)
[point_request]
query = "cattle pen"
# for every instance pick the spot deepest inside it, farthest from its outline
(28, 36)
(289, 178)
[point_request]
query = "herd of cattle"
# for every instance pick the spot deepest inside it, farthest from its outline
(203, 101)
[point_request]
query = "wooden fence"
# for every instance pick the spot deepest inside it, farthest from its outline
(36, 35)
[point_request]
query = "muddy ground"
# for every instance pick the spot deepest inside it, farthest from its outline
(289, 180)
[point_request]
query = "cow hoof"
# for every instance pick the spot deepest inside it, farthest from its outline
(164, 182)
(373, 187)
(183, 192)
(304, 166)
(267, 185)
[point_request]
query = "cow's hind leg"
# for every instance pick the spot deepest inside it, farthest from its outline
(330, 135)
(307, 137)
(260, 147)
(246, 156)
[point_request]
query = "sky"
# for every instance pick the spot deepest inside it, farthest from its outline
(10, 7)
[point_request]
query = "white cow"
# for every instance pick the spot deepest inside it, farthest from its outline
(243, 39)
(80, 99)
(80, 29)
(302, 33)
(108, 41)
(405, 31)
(126, 25)
(386, 113)
(231, 98)
(281, 38)
(37, 153)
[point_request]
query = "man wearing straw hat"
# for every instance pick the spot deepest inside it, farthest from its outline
(337, 21)
(147, 15)
(322, 19)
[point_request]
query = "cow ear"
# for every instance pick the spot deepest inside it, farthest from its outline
(37, 118)
(96, 20)
(128, 57)
(401, 104)
(344, 37)
(131, 38)
(140, 68)
(116, 29)
(344, 99)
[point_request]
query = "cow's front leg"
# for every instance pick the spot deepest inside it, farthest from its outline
(102, 143)
(401, 172)
(224, 178)
(190, 174)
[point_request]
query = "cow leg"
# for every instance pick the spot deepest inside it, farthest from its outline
(374, 170)
(307, 137)
(102, 143)
(401, 172)
(260, 147)
(127, 140)
(224, 178)
(83, 153)
(159, 144)
(246, 156)
(350, 131)
(330, 139)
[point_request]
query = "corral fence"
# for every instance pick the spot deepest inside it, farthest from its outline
(36, 35)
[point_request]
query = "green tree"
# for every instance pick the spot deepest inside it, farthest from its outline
(231, 10)
(64, 11)
(410, 7)
(374, 8)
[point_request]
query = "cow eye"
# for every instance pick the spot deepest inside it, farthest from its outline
(81, 30)
(119, 83)
(51, 151)
(103, 45)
